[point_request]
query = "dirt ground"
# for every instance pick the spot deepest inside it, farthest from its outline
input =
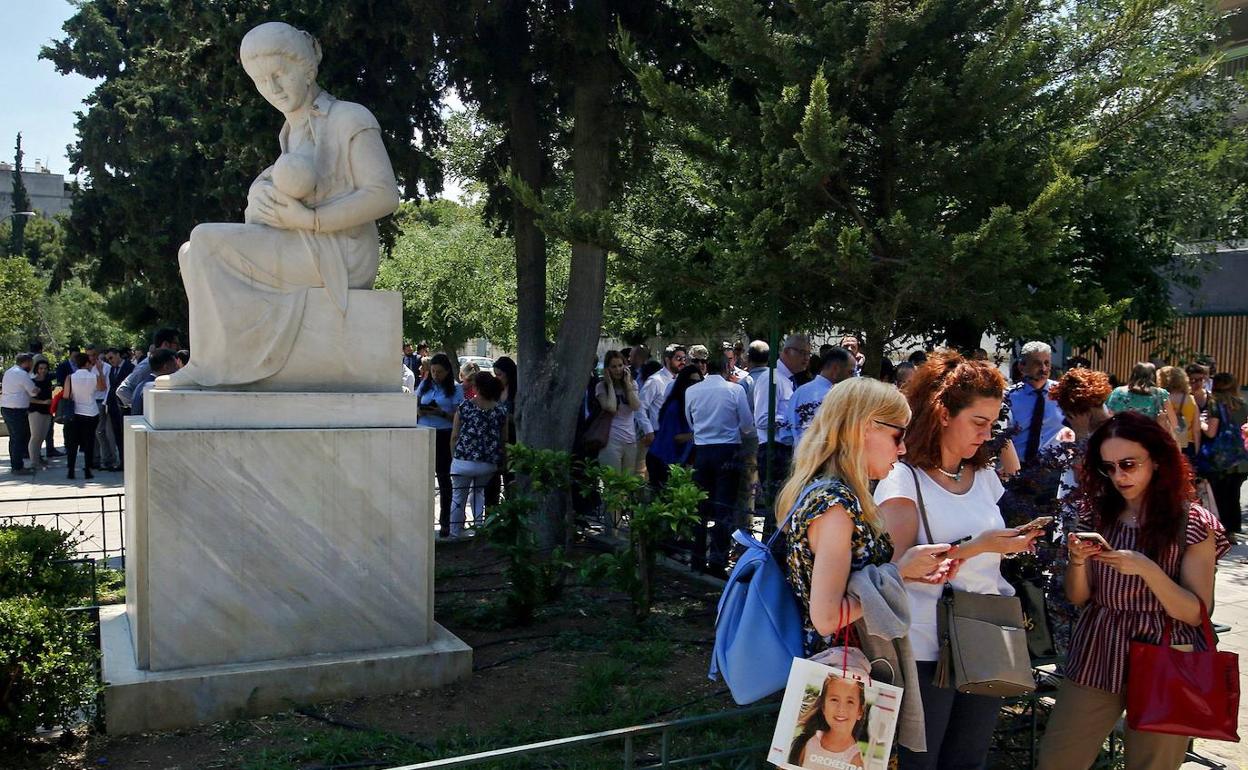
(581, 666)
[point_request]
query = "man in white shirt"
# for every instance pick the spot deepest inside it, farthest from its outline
(15, 392)
(775, 450)
(719, 415)
(653, 392)
(837, 365)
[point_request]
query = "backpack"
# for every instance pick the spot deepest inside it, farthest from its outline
(758, 626)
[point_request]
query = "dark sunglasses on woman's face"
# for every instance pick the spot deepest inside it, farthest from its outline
(699, 361)
(1126, 465)
(900, 437)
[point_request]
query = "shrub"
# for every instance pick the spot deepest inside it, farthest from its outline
(671, 514)
(47, 667)
(31, 559)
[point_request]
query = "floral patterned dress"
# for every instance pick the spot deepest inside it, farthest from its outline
(866, 547)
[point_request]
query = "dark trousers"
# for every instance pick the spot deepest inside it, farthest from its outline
(1226, 488)
(117, 419)
(442, 470)
(656, 471)
(716, 471)
(81, 433)
(18, 423)
(959, 727)
(770, 482)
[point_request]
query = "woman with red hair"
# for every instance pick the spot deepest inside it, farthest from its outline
(1136, 492)
(954, 403)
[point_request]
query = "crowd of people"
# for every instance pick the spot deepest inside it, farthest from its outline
(90, 391)
(917, 465)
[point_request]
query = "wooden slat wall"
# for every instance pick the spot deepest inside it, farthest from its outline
(1224, 337)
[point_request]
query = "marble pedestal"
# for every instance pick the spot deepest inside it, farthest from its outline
(274, 564)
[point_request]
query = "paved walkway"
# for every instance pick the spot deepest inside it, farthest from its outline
(50, 491)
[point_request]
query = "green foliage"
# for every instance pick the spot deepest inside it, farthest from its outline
(923, 169)
(47, 659)
(47, 663)
(457, 278)
(20, 201)
(671, 514)
(29, 556)
(21, 290)
(533, 578)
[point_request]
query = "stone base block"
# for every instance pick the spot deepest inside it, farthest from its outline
(357, 352)
(139, 701)
(220, 409)
(269, 544)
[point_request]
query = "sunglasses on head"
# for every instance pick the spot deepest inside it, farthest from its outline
(901, 435)
(1126, 465)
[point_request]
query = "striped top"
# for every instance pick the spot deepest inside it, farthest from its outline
(1122, 607)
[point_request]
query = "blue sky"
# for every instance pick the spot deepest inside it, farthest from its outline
(36, 99)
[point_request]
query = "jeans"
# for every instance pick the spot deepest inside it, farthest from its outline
(959, 727)
(716, 471)
(105, 440)
(442, 470)
(81, 433)
(468, 477)
(39, 423)
(19, 435)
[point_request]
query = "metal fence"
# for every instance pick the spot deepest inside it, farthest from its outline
(96, 522)
(643, 746)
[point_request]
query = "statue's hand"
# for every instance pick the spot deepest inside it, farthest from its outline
(275, 208)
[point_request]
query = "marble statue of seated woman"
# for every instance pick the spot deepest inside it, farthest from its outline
(310, 223)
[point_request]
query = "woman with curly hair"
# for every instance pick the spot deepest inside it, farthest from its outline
(1137, 494)
(1081, 395)
(954, 403)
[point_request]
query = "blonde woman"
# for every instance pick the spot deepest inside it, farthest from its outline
(467, 373)
(617, 395)
(857, 436)
(1183, 407)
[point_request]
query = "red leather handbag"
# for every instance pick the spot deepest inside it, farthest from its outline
(1183, 693)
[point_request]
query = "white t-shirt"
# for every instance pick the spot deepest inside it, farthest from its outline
(82, 388)
(952, 517)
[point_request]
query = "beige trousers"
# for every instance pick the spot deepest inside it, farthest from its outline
(1081, 721)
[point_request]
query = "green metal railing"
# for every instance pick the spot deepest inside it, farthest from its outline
(750, 755)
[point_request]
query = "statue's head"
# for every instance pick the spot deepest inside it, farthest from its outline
(282, 62)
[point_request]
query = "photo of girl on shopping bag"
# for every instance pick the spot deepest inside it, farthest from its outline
(834, 717)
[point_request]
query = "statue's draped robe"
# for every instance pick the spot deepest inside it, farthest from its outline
(247, 284)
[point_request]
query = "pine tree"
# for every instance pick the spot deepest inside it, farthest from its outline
(21, 203)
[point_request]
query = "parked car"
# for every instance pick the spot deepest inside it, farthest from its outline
(483, 363)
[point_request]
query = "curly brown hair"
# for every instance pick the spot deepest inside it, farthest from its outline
(940, 388)
(1081, 390)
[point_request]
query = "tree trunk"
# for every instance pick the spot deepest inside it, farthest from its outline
(554, 376)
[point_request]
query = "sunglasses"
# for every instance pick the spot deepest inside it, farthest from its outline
(700, 361)
(901, 431)
(1127, 465)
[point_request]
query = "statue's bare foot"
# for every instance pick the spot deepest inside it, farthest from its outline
(179, 380)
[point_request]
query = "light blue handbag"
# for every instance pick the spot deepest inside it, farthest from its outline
(758, 628)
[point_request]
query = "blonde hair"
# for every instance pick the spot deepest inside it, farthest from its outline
(835, 443)
(1173, 379)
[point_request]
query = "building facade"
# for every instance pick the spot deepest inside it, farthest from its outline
(49, 194)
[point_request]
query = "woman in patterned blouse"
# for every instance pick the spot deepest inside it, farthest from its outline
(857, 436)
(1137, 493)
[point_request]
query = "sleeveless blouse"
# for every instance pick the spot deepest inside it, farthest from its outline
(1123, 608)
(866, 547)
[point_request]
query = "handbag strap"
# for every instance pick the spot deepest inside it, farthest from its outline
(1206, 627)
(918, 498)
(811, 487)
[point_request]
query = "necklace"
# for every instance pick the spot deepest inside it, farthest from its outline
(957, 475)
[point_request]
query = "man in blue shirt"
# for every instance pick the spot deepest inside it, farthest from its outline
(1035, 418)
(838, 365)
